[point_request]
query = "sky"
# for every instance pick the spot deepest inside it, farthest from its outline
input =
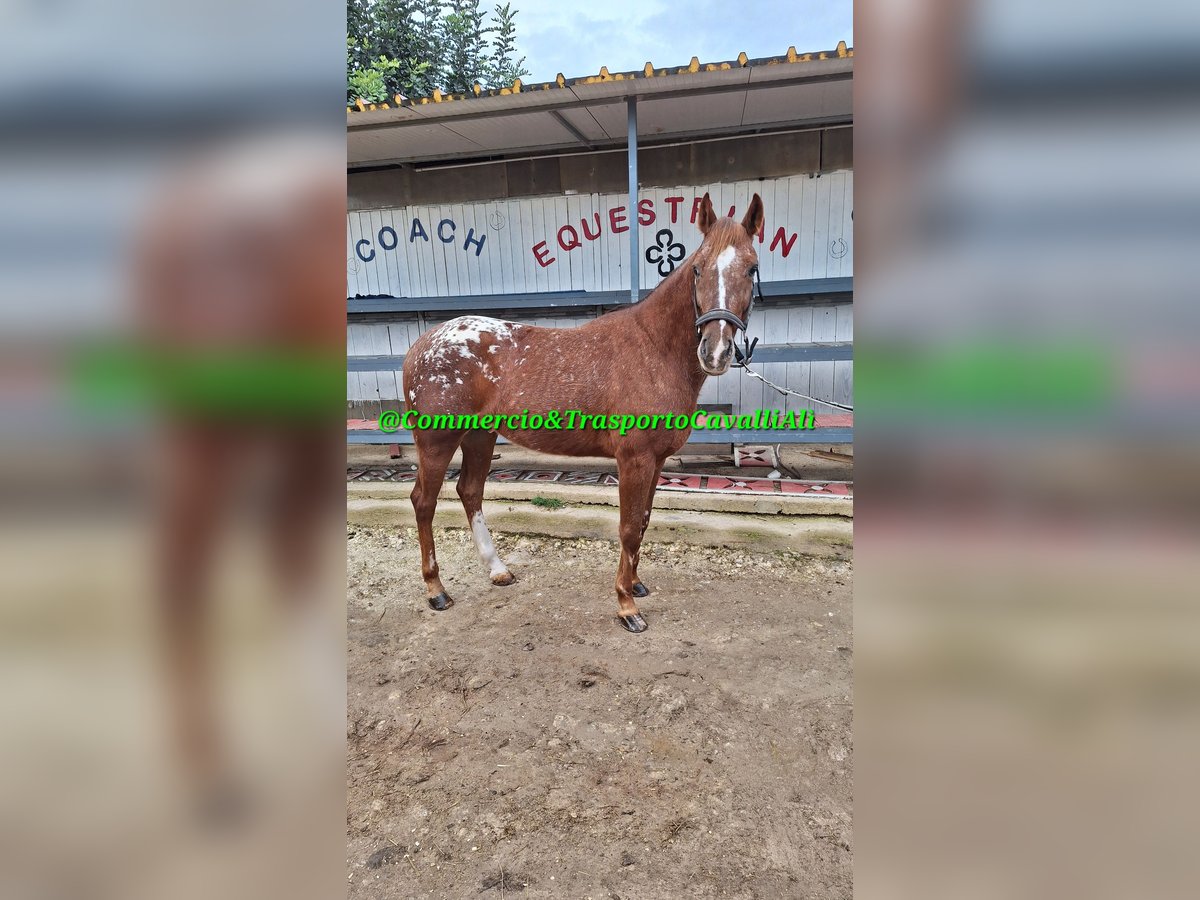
(576, 39)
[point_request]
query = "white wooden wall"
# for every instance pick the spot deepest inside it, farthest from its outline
(817, 210)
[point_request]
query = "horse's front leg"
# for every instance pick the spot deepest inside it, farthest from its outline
(640, 590)
(637, 474)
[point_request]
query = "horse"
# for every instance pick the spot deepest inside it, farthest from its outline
(650, 358)
(232, 265)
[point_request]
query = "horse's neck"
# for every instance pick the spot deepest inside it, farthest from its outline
(668, 317)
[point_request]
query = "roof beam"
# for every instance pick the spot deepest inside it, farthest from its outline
(604, 145)
(575, 132)
(577, 102)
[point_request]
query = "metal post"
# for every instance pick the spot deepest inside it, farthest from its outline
(634, 267)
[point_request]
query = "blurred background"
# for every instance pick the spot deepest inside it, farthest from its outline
(172, 213)
(1028, 206)
(1027, 636)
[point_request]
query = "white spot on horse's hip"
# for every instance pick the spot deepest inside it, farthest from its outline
(456, 336)
(483, 543)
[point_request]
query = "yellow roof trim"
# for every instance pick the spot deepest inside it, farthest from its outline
(842, 51)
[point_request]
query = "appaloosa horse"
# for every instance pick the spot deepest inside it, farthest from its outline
(649, 358)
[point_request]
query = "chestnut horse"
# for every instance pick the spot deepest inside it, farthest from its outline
(648, 358)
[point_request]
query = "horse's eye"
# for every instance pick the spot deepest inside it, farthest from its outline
(696, 271)
(752, 271)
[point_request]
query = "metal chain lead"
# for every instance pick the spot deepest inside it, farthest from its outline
(784, 390)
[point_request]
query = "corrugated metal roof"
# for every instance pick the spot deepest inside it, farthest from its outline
(589, 114)
(604, 76)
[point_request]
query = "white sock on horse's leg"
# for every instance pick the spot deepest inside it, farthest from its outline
(487, 550)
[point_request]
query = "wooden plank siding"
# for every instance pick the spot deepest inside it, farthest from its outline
(432, 251)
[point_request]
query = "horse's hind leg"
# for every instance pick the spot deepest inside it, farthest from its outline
(477, 449)
(434, 450)
(197, 498)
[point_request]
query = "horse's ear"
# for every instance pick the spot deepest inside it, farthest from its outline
(708, 215)
(753, 222)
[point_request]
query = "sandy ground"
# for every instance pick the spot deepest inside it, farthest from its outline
(522, 744)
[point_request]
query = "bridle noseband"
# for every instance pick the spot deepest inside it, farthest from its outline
(743, 353)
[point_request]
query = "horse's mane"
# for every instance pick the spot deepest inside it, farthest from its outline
(724, 233)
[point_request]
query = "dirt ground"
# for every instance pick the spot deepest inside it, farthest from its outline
(523, 744)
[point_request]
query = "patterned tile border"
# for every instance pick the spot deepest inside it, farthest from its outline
(674, 481)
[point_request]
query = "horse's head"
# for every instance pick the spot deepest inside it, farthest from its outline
(724, 268)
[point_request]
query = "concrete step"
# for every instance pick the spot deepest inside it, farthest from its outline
(596, 495)
(816, 535)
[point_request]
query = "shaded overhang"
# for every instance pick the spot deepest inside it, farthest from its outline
(737, 97)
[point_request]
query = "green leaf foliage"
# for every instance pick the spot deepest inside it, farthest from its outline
(412, 47)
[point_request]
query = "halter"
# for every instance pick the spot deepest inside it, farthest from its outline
(743, 353)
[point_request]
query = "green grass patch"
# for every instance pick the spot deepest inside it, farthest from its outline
(548, 502)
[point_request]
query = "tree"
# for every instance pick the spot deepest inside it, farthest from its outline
(430, 47)
(465, 47)
(370, 82)
(411, 47)
(502, 67)
(358, 35)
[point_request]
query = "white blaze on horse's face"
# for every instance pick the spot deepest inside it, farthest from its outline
(733, 285)
(724, 260)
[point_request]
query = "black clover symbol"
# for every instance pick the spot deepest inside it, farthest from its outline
(665, 252)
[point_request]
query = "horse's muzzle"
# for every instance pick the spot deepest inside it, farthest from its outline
(715, 355)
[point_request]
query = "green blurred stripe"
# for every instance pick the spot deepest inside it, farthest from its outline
(985, 378)
(242, 382)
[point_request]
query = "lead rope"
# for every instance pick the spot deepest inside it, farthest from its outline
(744, 363)
(784, 390)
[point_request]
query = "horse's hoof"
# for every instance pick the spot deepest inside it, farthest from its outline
(224, 804)
(503, 579)
(634, 623)
(441, 602)
(639, 590)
